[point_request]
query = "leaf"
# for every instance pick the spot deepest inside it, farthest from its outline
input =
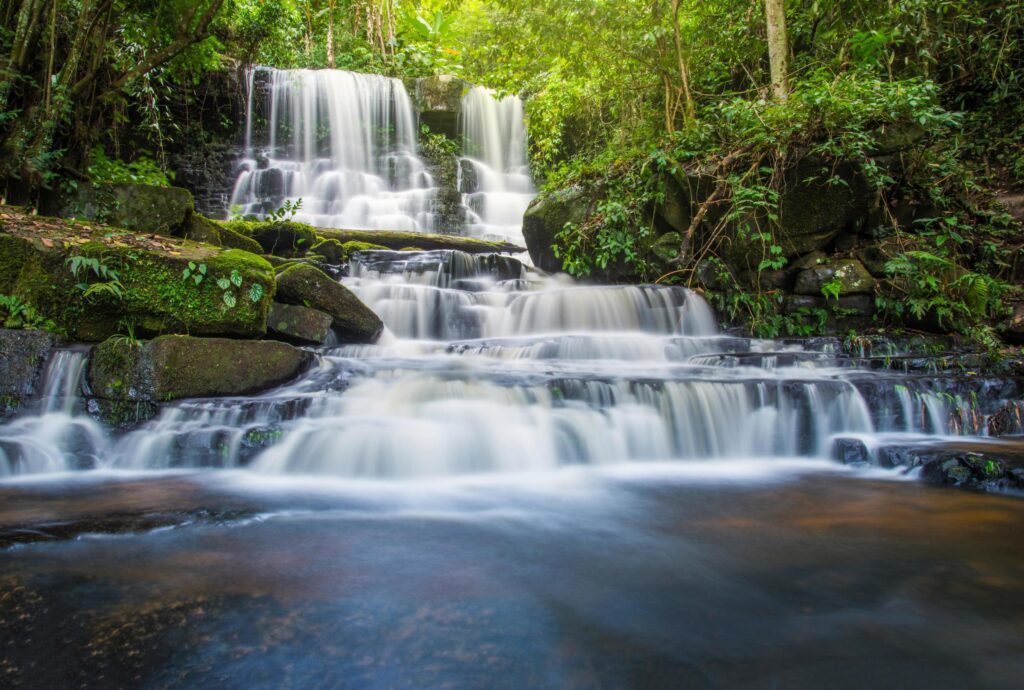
(202, 269)
(223, 283)
(198, 279)
(191, 266)
(256, 292)
(236, 278)
(229, 299)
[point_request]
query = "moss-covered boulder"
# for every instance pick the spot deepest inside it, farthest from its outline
(280, 238)
(299, 324)
(202, 229)
(546, 217)
(307, 286)
(140, 207)
(852, 277)
(439, 102)
(22, 357)
(177, 366)
(124, 280)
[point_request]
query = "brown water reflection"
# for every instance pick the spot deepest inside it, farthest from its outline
(822, 580)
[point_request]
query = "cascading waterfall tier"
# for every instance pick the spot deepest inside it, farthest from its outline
(342, 142)
(487, 367)
(495, 174)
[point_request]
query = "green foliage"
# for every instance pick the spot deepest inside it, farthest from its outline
(108, 283)
(143, 170)
(15, 313)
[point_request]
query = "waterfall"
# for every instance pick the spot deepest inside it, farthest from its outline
(60, 437)
(487, 366)
(344, 143)
(495, 179)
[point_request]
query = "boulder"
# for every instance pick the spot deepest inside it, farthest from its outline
(202, 229)
(546, 216)
(299, 324)
(22, 357)
(439, 102)
(176, 366)
(139, 207)
(1012, 328)
(151, 283)
(667, 246)
(280, 238)
(853, 278)
(307, 286)
(812, 213)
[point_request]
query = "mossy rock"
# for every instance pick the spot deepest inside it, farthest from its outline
(202, 229)
(307, 286)
(139, 207)
(331, 250)
(547, 216)
(22, 357)
(439, 101)
(853, 278)
(280, 238)
(299, 324)
(155, 297)
(177, 366)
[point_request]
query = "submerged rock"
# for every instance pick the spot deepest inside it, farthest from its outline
(307, 286)
(149, 283)
(299, 324)
(176, 366)
(22, 357)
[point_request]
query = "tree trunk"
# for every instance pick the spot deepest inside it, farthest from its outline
(684, 67)
(778, 47)
(330, 34)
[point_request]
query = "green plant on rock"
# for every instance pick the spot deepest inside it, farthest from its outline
(195, 272)
(286, 212)
(18, 314)
(109, 282)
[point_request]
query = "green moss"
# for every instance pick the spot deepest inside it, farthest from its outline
(157, 299)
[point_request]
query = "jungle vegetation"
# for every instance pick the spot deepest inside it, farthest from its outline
(617, 92)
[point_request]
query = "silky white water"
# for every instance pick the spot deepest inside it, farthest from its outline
(345, 145)
(496, 183)
(342, 142)
(486, 367)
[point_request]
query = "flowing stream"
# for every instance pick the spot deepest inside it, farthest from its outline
(527, 483)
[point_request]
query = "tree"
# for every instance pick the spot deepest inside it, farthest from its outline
(778, 47)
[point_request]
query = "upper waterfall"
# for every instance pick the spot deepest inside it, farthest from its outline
(496, 182)
(344, 143)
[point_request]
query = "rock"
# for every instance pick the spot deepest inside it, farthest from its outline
(177, 366)
(280, 238)
(139, 207)
(667, 246)
(1005, 422)
(851, 451)
(439, 101)
(307, 286)
(122, 414)
(299, 324)
(332, 251)
(547, 216)
(807, 262)
(1012, 329)
(202, 229)
(853, 278)
(22, 357)
(811, 214)
(151, 292)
